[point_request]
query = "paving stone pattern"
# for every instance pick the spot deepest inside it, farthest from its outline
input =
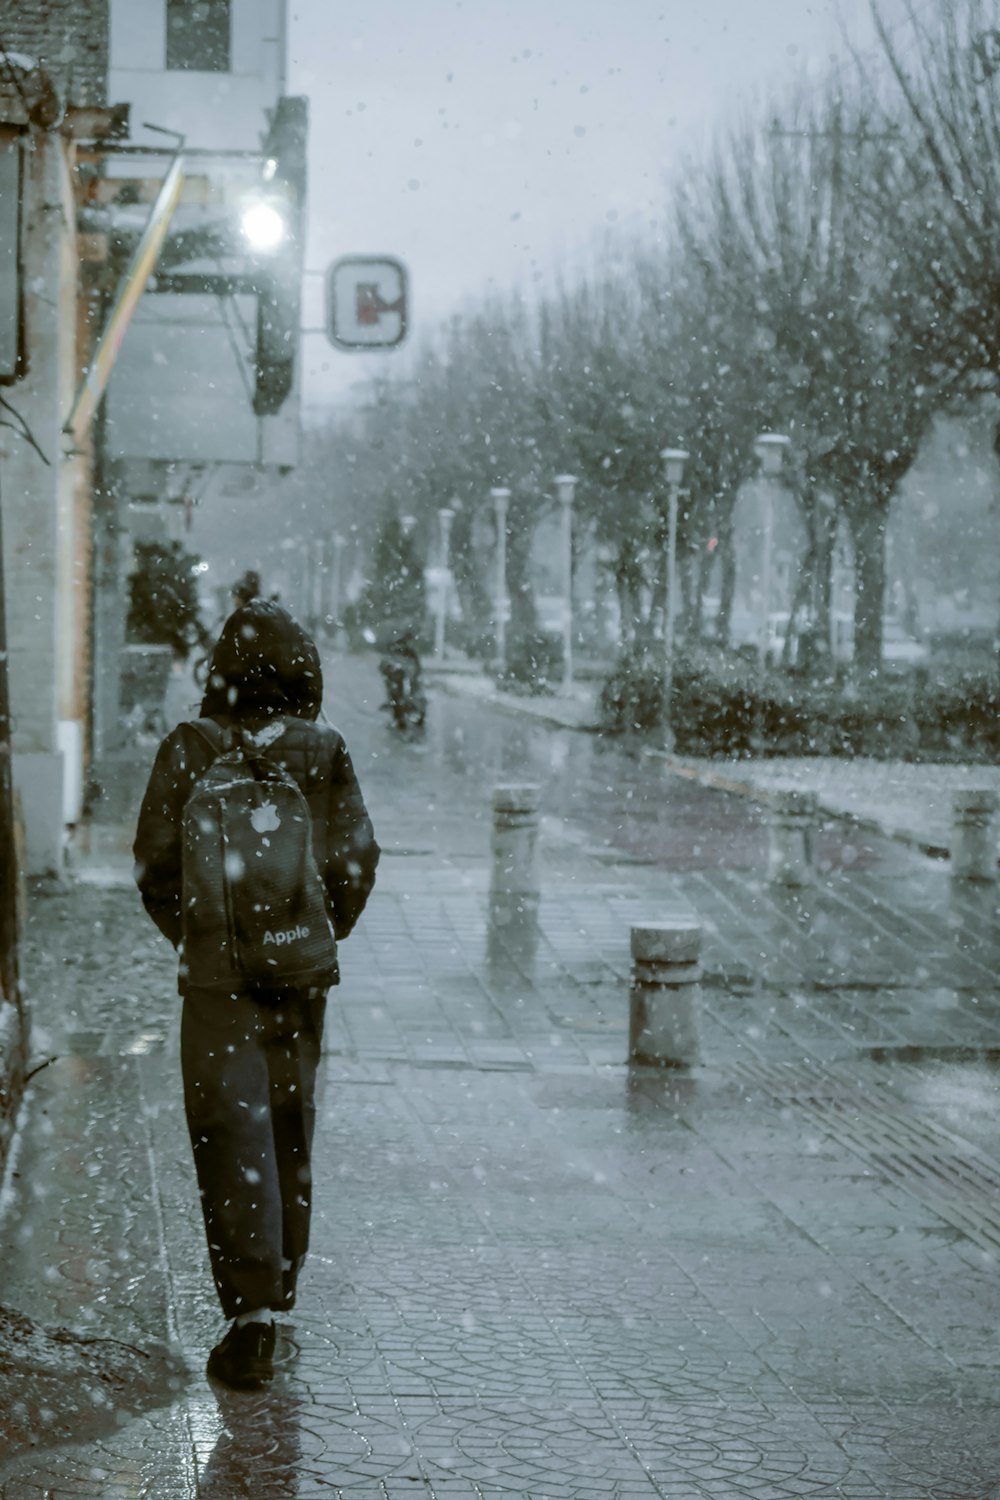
(534, 1271)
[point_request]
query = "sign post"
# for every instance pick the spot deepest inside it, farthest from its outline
(93, 384)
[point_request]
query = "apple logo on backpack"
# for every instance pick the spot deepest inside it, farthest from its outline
(264, 819)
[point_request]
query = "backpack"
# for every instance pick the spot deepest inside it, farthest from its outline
(252, 901)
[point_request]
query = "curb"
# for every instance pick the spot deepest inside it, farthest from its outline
(517, 707)
(508, 703)
(13, 1068)
(767, 798)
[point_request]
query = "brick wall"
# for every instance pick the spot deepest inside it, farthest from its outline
(69, 37)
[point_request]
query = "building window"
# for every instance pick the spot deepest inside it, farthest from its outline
(198, 36)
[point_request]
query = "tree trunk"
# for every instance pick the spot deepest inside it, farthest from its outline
(813, 595)
(520, 533)
(825, 531)
(626, 630)
(727, 584)
(799, 603)
(657, 590)
(636, 628)
(687, 623)
(468, 553)
(868, 526)
(703, 570)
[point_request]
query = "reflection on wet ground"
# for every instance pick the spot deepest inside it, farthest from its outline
(512, 936)
(603, 790)
(257, 1449)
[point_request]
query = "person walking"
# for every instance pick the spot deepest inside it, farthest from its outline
(250, 1041)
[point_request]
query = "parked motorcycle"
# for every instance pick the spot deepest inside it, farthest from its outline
(406, 700)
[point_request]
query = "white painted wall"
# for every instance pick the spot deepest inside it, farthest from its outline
(40, 546)
(177, 391)
(213, 110)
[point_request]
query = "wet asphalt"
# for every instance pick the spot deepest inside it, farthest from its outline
(535, 1270)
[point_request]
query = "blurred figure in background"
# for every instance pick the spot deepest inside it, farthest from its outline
(246, 588)
(400, 668)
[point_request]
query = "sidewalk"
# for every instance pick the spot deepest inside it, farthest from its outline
(536, 1272)
(574, 709)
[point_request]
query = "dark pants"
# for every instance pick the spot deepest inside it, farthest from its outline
(249, 1067)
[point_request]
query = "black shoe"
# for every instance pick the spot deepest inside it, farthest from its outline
(244, 1359)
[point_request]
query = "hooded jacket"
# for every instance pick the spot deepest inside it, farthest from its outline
(264, 675)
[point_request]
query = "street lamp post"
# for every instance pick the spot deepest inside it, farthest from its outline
(313, 571)
(501, 499)
(339, 542)
(445, 515)
(673, 460)
(770, 450)
(566, 489)
(323, 568)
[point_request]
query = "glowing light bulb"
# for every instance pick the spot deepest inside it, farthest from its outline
(263, 225)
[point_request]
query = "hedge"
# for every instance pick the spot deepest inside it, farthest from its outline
(724, 705)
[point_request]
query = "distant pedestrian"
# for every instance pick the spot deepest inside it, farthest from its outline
(248, 586)
(401, 672)
(219, 820)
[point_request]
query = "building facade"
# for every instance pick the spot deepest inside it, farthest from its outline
(52, 108)
(95, 100)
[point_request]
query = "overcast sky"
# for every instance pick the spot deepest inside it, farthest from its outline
(486, 141)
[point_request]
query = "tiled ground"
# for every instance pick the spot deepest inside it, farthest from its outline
(536, 1272)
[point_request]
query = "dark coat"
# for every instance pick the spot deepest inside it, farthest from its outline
(264, 668)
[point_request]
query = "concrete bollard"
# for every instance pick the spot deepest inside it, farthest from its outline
(792, 837)
(515, 841)
(973, 835)
(663, 1001)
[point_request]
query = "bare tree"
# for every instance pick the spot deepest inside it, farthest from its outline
(943, 67)
(779, 298)
(465, 419)
(700, 347)
(601, 417)
(821, 323)
(943, 104)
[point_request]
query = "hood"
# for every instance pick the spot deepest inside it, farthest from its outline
(264, 663)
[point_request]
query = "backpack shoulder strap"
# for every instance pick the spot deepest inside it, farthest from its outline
(219, 740)
(263, 740)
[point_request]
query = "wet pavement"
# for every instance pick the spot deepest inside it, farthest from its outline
(535, 1271)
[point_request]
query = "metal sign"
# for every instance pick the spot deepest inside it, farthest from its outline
(366, 302)
(133, 284)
